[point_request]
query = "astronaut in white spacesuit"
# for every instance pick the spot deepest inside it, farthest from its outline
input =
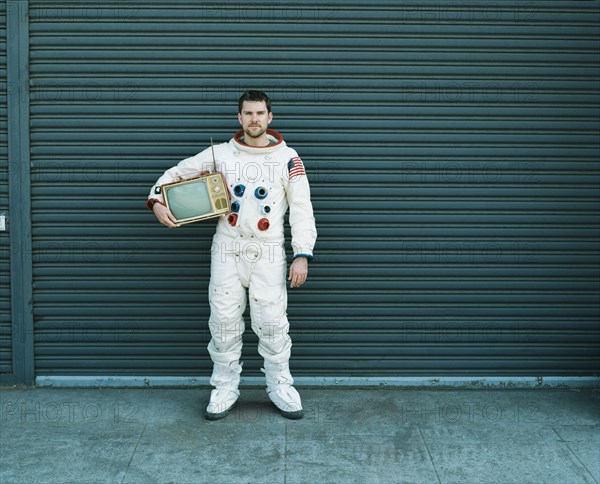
(264, 177)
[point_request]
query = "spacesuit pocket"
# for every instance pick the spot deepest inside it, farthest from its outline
(227, 303)
(268, 314)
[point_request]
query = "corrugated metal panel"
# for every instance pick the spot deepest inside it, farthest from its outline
(5, 310)
(453, 155)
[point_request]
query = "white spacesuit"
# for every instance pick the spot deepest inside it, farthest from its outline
(248, 252)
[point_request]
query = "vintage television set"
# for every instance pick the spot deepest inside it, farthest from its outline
(195, 199)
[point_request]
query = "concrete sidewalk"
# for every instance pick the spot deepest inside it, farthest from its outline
(348, 435)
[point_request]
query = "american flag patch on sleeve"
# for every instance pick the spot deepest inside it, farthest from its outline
(296, 167)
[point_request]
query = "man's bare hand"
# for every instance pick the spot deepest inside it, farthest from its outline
(298, 272)
(164, 215)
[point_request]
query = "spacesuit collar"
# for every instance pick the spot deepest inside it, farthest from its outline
(274, 136)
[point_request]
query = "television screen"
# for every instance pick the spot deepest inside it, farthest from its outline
(198, 198)
(189, 200)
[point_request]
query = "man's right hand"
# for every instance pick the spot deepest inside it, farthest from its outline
(164, 215)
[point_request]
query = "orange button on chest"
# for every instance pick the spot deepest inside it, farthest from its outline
(263, 224)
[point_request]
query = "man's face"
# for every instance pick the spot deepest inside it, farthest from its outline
(254, 118)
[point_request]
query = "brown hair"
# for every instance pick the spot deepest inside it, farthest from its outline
(254, 96)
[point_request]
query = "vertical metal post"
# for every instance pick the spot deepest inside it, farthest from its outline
(19, 187)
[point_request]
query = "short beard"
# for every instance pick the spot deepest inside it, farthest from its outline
(260, 133)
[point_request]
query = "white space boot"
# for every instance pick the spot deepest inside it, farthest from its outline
(226, 379)
(280, 389)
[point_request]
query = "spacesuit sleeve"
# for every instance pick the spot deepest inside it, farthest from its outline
(187, 168)
(302, 220)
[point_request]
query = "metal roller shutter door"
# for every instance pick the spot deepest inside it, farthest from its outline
(453, 156)
(5, 309)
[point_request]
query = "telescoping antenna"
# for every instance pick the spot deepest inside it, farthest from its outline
(212, 147)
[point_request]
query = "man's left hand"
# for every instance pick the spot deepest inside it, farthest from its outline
(298, 272)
